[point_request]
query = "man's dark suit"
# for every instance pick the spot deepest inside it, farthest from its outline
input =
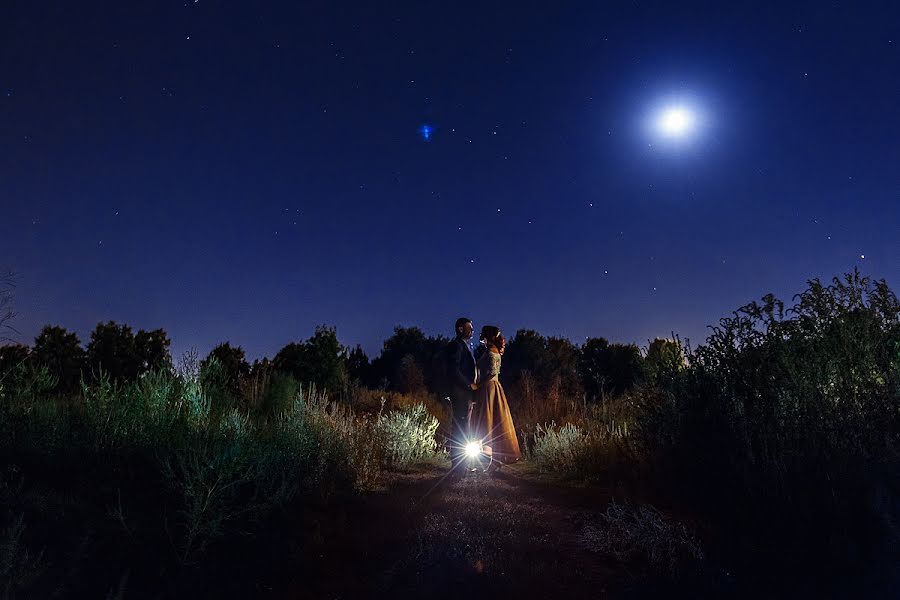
(461, 372)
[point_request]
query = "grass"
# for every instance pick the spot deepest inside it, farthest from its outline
(150, 484)
(644, 535)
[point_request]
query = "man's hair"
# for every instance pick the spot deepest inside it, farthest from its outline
(460, 322)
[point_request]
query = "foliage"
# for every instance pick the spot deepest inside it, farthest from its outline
(61, 353)
(319, 361)
(19, 565)
(427, 353)
(123, 355)
(223, 370)
(158, 473)
(112, 350)
(583, 449)
(785, 424)
(12, 358)
(7, 314)
(609, 369)
(408, 435)
(664, 360)
(643, 534)
(358, 367)
(409, 378)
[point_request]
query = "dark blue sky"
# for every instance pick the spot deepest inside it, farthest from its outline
(245, 171)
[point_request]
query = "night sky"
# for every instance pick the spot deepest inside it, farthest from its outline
(245, 171)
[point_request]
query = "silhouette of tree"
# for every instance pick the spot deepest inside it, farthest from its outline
(112, 350)
(609, 368)
(323, 360)
(225, 367)
(595, 366)
(290, 360)
(426, 351)
(61, 353)
(562, 360)
(410, 379)
(358, 367)
(320, 360)
(13, 357)
(626, 367)
(527, 351)
(152, 348)
(7, 284)
(664, 359)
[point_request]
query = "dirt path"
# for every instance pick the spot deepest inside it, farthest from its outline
(475, 536)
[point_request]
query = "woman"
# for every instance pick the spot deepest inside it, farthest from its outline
(491, 418)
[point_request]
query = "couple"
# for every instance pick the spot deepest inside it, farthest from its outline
(479, 410)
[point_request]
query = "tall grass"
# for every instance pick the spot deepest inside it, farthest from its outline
(148, 477)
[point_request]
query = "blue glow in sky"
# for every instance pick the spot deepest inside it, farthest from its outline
(425, 131)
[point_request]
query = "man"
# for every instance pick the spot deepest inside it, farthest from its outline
(462, 375)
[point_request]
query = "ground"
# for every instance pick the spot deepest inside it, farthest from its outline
(479, 535)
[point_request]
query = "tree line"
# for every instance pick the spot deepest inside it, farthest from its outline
(410, 361)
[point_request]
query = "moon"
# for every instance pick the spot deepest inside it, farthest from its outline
(676, 121)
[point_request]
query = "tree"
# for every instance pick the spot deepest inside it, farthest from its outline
(13, 358)
(595, 366)
(152, 350)
(358, 367)
(609, 368)
(61, 353)
(290, 360)
(323, 358)
(225, 367)
(426, 351)
(112, 350)
(527, 351)
(410, 379)
(664, 359)
(320, 360)
(7, 284)
(562, 360)
(626, 367)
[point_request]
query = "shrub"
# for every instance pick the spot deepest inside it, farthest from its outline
(19, 565)
(584, 450)
(408, 435)
(629, 534)
(783, 428)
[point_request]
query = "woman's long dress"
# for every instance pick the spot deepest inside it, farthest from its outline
(491, 418)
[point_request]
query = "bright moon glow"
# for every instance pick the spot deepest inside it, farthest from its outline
(473, 449)
(676, 121)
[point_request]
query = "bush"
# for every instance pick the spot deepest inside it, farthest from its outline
(784, 428)
(582, 450)
(408, 435)
(663, 545)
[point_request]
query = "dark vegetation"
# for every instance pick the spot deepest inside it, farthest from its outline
(771, 450)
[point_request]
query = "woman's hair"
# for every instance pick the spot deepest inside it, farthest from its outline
(491, 336)
(488, 333)
(499, 342)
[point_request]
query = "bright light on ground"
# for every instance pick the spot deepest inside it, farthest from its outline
(473, 449)
(676, 121)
